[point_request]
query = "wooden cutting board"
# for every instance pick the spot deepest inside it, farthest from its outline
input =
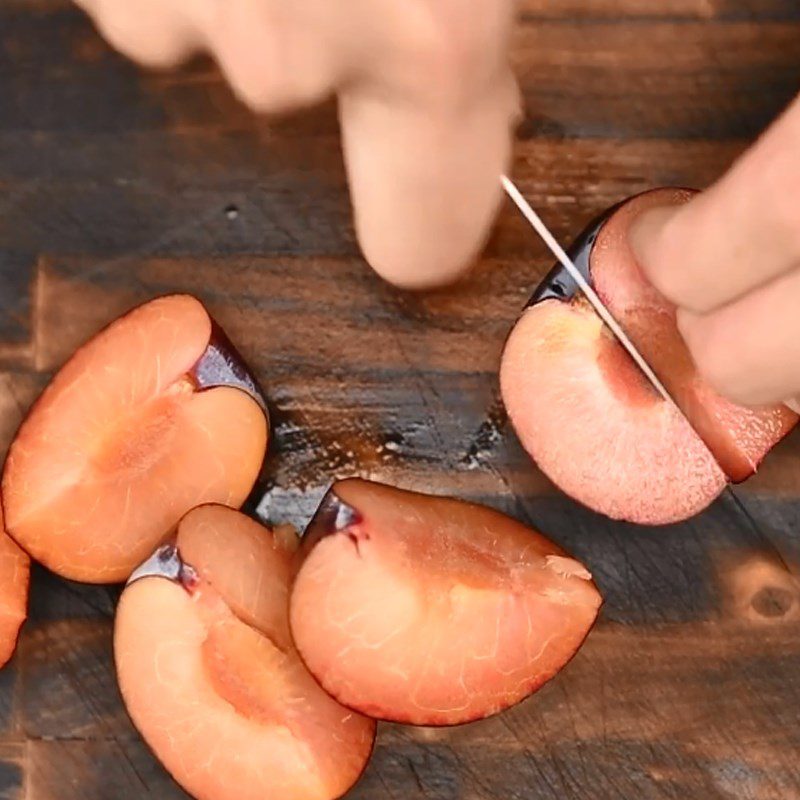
(118, 185)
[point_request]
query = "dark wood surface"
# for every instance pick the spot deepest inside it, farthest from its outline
(117, 185)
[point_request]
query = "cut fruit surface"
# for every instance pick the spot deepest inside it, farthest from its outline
(125, 440)
(738, 437)
(15, 567)
(217, 543)
(432, 611)
(588, 416)
(595, 426)
(212, 681)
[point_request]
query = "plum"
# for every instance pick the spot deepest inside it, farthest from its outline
(737, 436)
(15, 567)
(588, 416)
(430, 610)
(155, 415)
(210, 676)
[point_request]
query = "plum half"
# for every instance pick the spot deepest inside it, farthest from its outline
(15, 568)
(589, 417)
(155, 415)
(211, 679)
(433, 611)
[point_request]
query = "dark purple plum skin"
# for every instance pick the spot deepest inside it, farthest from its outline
(166, 562)
(332, 516)
(558, 284)
(222, 365)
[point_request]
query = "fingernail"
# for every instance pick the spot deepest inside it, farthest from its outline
(645, 233)
(793, 404)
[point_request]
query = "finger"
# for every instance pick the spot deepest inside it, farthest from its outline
(281, 55)
(749, 350)
(276, 55)
(157, 33)
(425, 186)
(426, 137)
(742, 232)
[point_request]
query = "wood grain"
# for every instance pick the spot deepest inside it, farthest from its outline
(646, 714)
(12, 777)
(173, 199)
(602, 79)
(96, 770)
(117, 185)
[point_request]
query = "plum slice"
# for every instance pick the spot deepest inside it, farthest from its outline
(211, 679)
(433, 611)
(15, 567)
(738, 437)
(155, 415)
(589, 417)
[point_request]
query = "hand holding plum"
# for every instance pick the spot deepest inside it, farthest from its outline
(427, 102)
(730, 260)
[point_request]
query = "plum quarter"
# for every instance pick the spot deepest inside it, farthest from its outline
(430, 610)
(155, 415)
(590, 419)
(211, 678)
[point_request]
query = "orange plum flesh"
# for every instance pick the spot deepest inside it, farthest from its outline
(123, 443)
(211, 679)
(433, 611)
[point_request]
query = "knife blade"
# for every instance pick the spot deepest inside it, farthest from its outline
(589, 293)
(605, 315)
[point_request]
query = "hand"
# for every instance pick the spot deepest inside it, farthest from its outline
(427, 102)
(730, 260)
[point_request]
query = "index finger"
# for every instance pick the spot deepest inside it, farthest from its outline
(425, 183)
(427, 134)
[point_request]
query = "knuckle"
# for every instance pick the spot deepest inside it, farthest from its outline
(278, 93)
(166, 55)
(457, 47)
(268, 69)
(263, 93)
(148, 34)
